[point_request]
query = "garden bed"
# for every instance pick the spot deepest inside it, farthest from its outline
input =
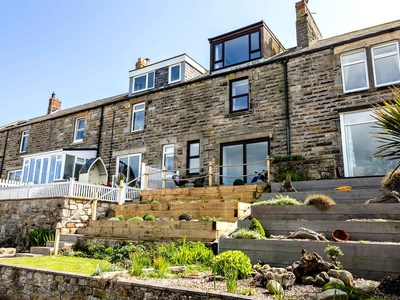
(158, 230)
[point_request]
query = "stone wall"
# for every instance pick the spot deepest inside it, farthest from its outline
(27, 283)
(17, 217)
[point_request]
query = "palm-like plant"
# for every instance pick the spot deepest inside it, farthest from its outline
(388, 121)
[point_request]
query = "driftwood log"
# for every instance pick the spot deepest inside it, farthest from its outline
(388, 196)
(287, 185)
(304, 233)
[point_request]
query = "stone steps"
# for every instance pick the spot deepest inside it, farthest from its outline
(67, 241)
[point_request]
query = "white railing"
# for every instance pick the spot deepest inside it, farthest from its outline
(70, 188)
(155, 178)
(7, 183)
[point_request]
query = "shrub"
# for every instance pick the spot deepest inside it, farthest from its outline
(238, 182)
(231, 260)
(244, 233)
(155, 202)
(320, 201)
(39, 236)
(256, 226)
(185, 216)
(391, 181)
(136, 219)
(280, 200)
(149, 217)
(120, 217)
(333, 253)
(144, 202)
(210, 219)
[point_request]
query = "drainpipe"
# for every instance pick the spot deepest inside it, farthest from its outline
(111, 141)
(100, 129)
(285, 76)
(4, 154)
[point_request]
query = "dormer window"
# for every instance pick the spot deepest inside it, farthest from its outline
(237, 50)
(174, 73)
(143, 82)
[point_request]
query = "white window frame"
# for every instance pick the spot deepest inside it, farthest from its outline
(353, 63)
(170, 73)
(13, 173)
(24, 141)
(375, 57)
(138, 110)
(166, 153)
(117, 171)
(147, 87)
(79, 130)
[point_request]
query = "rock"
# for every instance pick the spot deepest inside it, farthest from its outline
(177, 269)
(336, 280)
(325, 276)
(343, 275)
(265, 273)
(274, 287)
(332, 294)
(307, 280)
(7, 252)
(319, 281)
(310, 264)
(365, 289)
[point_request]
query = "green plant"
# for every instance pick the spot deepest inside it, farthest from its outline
(352, 292)
(155, 202)
(144, 202)
(200, 201)
(387, 119)
(149, 217)
(185, 216)
(391, 181)
(39, 236)
(232, 259)
(138, 262)
(160, 265)
(120, 217)
(136, 219)
(244, 233)
(234, 200)
(247, 291)
(231, 277)
(280, 201)
(322, 202)
(333, 253)
(105, 267)
(256, 226)
(210, 219)
(238, 182)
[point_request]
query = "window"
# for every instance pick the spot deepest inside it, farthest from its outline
(72, 167)
(129, 166)
(24, 141)
(354, 71)
(14, 175)
(143, 82)
(239, 100)
(174, 73)
(193, 157)
(79, 129)
(237, 50)
(243, 160)
(168, 157)
(138, 117)
(359, 145)
(386, 64)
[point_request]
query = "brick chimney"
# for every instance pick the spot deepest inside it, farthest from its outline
(306, 29)
(54, 104)
(141, 63)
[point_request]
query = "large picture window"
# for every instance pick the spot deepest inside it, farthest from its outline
(237, 50)
(354, 71)
(239, 99)
(386, 64)
(24, 141)
(129, 167)
(359, 145)
(138, 117)
(143, 82)
(243, 160)
(193, 157)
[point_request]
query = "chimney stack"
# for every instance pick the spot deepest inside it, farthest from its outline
(141, 63)
(306, 29)
(54, 104)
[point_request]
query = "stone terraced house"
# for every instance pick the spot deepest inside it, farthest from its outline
(257, 99)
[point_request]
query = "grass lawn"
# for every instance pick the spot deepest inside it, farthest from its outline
(76, 265)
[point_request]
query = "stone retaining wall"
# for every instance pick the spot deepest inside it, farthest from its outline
(27, 283)
(19, 216)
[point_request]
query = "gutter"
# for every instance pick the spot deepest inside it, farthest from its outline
(4, 154)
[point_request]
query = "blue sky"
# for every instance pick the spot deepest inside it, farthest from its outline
(83, 49)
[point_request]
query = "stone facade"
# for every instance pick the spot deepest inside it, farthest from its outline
(27, 283)
(17, 217)
(295, 101)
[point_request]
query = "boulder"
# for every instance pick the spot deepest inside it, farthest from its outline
(332, 294)
(310, 264)
(343, 275)
(265, 273)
